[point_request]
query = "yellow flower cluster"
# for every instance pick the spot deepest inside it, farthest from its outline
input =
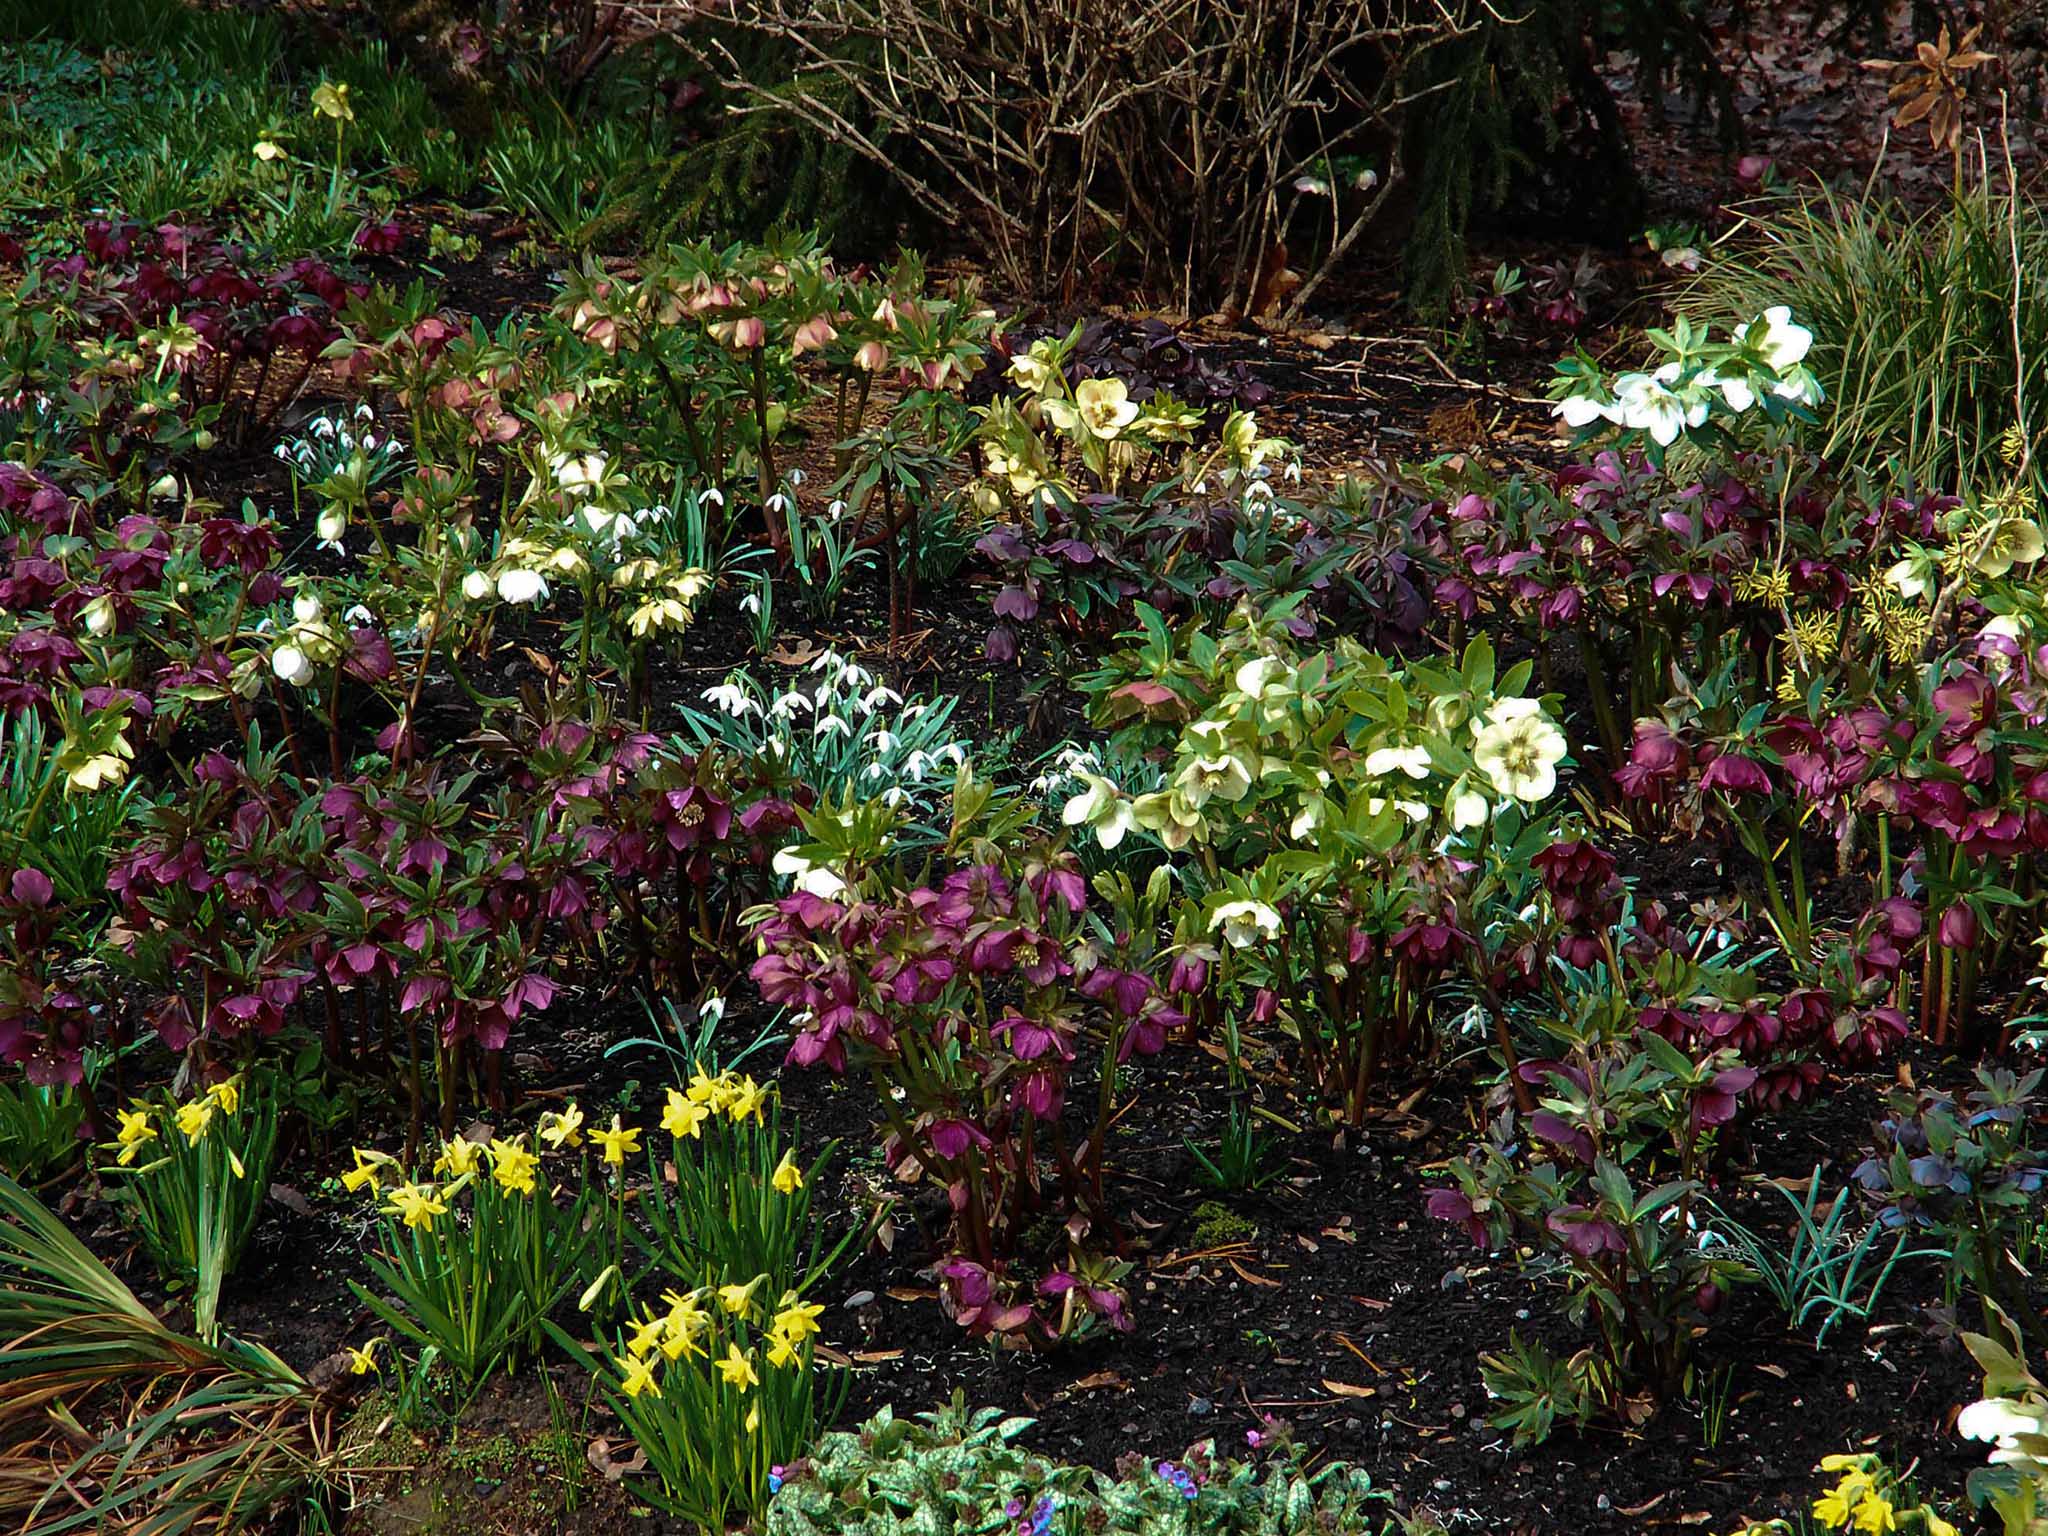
(1863, 1499)
(1760, 584)
(513, 1168)
(193, 1119)
(680, 1333)
(737, 1098)
(1901, 627)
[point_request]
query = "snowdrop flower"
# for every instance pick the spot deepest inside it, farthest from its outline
(358, 615)
(789, 704)
(778, 502)
(883, 742)
(796, 477)
(751, 603)
(715, 496)
(893, 796)
(731, 699)
(917, 765)
(953, 753)
(291, 665)
(831, 725)
(880, 696)
(522, 586)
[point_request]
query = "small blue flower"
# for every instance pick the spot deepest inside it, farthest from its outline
(775, 1480)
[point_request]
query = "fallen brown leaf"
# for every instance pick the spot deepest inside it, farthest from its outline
(1346, 1389)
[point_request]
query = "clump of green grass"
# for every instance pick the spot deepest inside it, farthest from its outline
(1930, 326)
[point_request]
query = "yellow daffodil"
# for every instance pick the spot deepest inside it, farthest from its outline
(194, 1118)
(416, 1204)
(684, 1117)
(458, 1157)
(235, 1165)
(564, 1129)
(737, 1299)
(513, 1167)
(639, 1378)
(788, 1178)
(746, 1100)
(797, 1320)
(363, 1361)
(617, 1142)
(135, 1130)
(1936, 1526)
(227, 1096)
(647, 1337)
(782, 1352)
(708, 1090)
(738, 1369)
(369, 1169)
(1874, 1514)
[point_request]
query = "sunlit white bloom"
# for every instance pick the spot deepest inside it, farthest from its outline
(329, 526)
(1468, 810)
(291, 665)
(831, 725)
(790, 703)
(1102, 808)
(476, 586)
(751, 603)
(578, 476)
(1519, 754)
(1650, 405)
(519, 585)
(1414, 810)
(883, 742)
(358, 615)
(917, 765)
(1782, 344)
(880, 697)
(1583, 410)
(1413, 761)
(1245, 923)
(812, 878)
(731, 699)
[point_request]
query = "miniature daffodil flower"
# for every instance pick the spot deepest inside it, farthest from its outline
(458, 1157)
(513, 1167)
(788, 1178)
(135, 1130)
(738, 1369)
(639, 1378)
(363, 1361)
(417, 1205)
(194, 1118)
(617, 1142)
(564, 1129)
(684, 1117)
(737, 1299)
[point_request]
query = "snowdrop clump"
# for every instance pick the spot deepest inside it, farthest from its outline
(837, 729)
(342, 443)
(1763, 366)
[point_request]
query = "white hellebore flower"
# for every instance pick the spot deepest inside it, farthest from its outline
(579, 476)
(1244, 923)
(476, 586)
(1413, 761)
(291, 665)
(1259, 674)
(1784, 345)
(1101, 807)
(1649, 404)
(1518, 749)
(2007, 1424)
(329, 526)
(812, 878)
(522, 586)
(1468, 809)
(1583, 410)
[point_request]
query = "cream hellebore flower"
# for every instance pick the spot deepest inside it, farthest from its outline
(1259, 674)
(1413, 761)
(2017, 1430)
(522, 586)
(99, 615)
(1783, 345)
(1245, 923)
(266, 151)
(578, 476)
(1518, 749)
(1032, 370)
(1100, 806)
(1104, 406)
(1912, 577)
(1226, 776)
(2010, 541)
(1468, 809)
(329, 526)
(292, 665)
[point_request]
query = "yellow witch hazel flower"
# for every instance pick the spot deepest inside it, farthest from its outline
(1759, 584)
